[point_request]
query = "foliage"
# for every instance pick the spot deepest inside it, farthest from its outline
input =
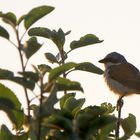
(70, 120)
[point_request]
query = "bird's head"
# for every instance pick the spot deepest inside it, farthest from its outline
(113, 58)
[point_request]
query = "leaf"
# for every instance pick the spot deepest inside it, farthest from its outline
(49, 102)
(9, 75)
(31, 47)
(20, 19)
(64, 98)
(4, 33)
(35, 14)
(84, 41)
(6, 74)
(27, 83)
(89, 67)
(30, 75)
(51, 57)
(40, 31)
(137, 134)
(9, 18)
(44, 68)
(73, 105)
(5, 133)
(54, 73)
(66, 84)
(60, 122)
(11, 105)
(129, 125)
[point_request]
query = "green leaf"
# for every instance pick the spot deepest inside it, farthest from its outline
(4, 33)
(24, 81)
(35, 14)
(5, 133)
(6, 74)
(60, 122)
(108, 107)
(137, 134)
(27, 83)
(11, 105)
(40, 31)
(73, 105)
(44, 68)
(20, 19)
(9, 18)
(88, 39)
(64, 98)
(66, 84)
(89, 67)
(56, 72)
(31, 47)
(51, 57)
(129, 125)
(30, 75)
(49, 102)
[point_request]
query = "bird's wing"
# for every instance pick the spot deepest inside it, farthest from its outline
(126, 74)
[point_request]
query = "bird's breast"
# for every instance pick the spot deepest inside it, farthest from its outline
(115, 86)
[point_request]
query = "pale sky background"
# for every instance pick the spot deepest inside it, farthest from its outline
(117, 22)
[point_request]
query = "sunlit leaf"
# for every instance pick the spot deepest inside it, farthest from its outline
(11, 105)
(51, 58)
(66, 84)
(40, 31)
(89, 67)
(35, 14)
(88, 39)
(9, 18)
(54, 73)
(4, 33)
(31, 47)
(129, 125)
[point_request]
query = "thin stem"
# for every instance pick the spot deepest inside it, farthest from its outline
(23, 69)
(40, 109)
(119, 109)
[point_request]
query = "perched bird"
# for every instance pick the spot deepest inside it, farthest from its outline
(121, 77)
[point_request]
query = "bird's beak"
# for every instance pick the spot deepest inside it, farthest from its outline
(103, 60)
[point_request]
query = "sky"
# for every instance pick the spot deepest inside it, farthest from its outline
(117, 22)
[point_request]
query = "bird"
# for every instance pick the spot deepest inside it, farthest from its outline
(122, 77)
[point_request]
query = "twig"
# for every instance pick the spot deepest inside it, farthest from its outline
(119, 109)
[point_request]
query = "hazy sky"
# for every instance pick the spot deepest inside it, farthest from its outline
(117, 22)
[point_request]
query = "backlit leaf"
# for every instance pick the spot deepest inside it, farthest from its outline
(51, 58)
(6, 74)
(40, 31)
(129, 125)
(9, 18)
(30, 75)
(88, 39)
(31, 47)
(35, 14)
(5, 133)
(11, 105)
(66, 84)
(89, 67)
(4, 33)
(54, 73)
